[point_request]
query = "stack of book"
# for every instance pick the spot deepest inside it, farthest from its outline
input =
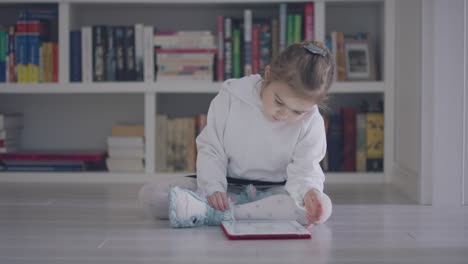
(184, 55)
(52, 161)
(246, 45)
(10, 129)
(355, 140)
(175, 142)
(126, 148)
(29, 49)
(104, 53)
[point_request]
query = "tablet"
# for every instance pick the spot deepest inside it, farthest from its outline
(264, 229)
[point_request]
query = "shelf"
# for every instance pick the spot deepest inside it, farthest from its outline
(159, 87)
(104, 177)
(72, 88)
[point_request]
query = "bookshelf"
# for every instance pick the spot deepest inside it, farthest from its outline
(109, 102)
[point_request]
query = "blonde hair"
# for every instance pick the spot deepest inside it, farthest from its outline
(309, 74)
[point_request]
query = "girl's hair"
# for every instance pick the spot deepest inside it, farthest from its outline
(310, 74)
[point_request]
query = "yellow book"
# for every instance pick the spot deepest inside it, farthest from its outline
(375, 141)
(128, 130)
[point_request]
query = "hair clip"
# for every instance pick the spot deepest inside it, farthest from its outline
(314, 49)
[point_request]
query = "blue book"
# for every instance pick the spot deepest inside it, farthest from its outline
(75, 56)
(335, 144)
(3, 53)
(110, 56)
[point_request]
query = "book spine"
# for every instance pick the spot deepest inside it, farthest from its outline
(11, 56)
(139, 52)
(374, 141)
(361, 157)
(99, 51)
(274, 38)
(22, 47)
(35, 31)
(110, 55)
(55, 62)
(247, 42)
(309, 29)
(75, 56)
(290, 30)
(119, 42)
(335, 143)
(255, 49)
(227, 48)
(86, 55)
(349, 139)
(265, 46)
(220, 57)
(297, 29)
(282, 26)
(3, 54)
(236, 54)
(340, 56)
(129, 54)
(149, 54)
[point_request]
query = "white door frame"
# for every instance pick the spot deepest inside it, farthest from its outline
(442, 102)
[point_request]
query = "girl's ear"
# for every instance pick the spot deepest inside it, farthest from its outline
(267, 72)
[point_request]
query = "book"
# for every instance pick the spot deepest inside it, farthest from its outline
(361, 156)
(375, 141)
(264, 229)
(335, 143)
(75, 56)
(247, 42)
(128, 130)
(122, 141)
(91, 156)
(349, 139)
(99, 45)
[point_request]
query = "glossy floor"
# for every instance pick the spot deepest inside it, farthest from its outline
(68, 224)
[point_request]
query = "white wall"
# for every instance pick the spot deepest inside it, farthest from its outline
(407, 97)
(443, 124)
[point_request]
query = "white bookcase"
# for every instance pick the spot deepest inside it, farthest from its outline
(79, 116)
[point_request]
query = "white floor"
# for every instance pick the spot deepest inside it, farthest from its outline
(70, 224)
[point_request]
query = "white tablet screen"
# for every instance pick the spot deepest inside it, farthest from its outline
(280, 227)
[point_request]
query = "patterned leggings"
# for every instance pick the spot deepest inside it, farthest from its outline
(271, 203)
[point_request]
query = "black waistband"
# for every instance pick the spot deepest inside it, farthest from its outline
(247, 182)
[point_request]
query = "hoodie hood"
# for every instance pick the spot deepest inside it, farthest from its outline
(246, 89)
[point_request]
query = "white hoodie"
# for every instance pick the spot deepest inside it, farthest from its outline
(240, 142)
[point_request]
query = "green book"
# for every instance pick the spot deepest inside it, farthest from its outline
(297, 28)
(236, 54)
(361, 151)
(290, 30)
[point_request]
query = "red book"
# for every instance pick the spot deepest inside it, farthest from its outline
(309, 30)
(220, 58)
(255, 49)
(349, 139)
(57, 156)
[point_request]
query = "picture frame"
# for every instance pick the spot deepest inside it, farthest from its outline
(359, 60)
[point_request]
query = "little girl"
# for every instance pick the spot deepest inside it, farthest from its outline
(258, 156)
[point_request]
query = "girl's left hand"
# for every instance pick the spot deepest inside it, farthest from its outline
(313, 206)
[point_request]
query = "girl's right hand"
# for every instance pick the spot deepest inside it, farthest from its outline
(218, 200)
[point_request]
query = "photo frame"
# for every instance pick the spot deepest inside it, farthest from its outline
(359, 60)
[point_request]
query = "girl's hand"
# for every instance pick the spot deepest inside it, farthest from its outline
(313, 206)
(218, 200)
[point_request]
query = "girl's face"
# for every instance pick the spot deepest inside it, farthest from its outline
(281, 104)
